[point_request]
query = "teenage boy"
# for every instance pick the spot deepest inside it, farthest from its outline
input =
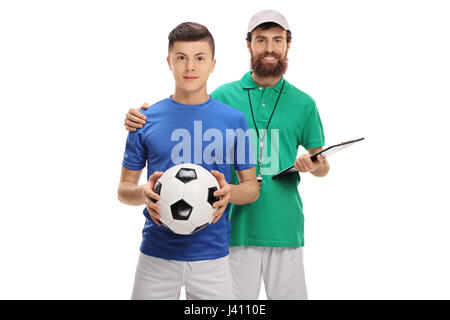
(167, 260)
(267, 235)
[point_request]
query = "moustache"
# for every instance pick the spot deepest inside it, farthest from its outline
(269, 54)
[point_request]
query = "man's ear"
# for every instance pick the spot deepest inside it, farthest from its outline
(168, 62)
(249, 47)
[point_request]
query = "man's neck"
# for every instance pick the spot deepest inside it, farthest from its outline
(190, 98)
(266, 81)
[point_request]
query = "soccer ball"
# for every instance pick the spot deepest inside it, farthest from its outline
(186, 197)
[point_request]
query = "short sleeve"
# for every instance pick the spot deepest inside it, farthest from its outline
(135, 155)
(244, 157)
(217, 94)
(312, 135)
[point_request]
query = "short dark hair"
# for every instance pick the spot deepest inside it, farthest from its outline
(268, 25)
(191, 31)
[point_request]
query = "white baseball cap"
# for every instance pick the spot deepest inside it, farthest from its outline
(267, 16)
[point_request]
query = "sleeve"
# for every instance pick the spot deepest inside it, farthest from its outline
(216, 94)
(135, 155)
(244, 157)
(312, 135)
(220, 94)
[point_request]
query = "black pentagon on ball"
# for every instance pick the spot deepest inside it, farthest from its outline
(157, 189)
(211, 197)
(200, 228)
(181, 210)
(185, 175)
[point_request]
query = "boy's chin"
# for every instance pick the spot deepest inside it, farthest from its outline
(191, 89)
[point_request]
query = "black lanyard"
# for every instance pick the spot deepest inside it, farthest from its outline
(265, 132)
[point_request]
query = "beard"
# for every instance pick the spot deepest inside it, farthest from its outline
(262, 69)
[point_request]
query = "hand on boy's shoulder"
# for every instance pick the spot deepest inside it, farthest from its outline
(135, 119)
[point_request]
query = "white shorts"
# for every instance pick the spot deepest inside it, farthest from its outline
(162, 279)
(281, 269)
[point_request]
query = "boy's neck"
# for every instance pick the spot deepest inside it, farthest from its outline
(190, 98)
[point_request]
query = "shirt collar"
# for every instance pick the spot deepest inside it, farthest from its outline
(247, 82)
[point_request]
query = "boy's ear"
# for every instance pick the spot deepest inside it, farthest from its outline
(213, 65)
(168, 62)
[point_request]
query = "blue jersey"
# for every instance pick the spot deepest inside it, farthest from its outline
(213, 135)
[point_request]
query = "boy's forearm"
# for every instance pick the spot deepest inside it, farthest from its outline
(245, 192)
(131, 194)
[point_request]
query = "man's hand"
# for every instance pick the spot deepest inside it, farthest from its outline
(134, 119)
(318, 168)
(305, 164)
(150, 197)
(224, 193)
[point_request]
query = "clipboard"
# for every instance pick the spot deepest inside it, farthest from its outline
(324, 153)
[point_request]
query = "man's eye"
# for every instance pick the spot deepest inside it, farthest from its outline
(260, 41)
(180, 57)
(200, 58)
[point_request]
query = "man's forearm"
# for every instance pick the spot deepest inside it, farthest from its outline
(245, 192)
(131, 194)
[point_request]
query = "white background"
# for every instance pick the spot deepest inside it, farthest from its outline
(376, 226)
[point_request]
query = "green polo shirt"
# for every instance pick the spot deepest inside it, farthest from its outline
(276, 218)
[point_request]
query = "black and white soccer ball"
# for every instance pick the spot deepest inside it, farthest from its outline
(186, 197)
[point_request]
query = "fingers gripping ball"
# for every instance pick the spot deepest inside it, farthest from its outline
(186, 196)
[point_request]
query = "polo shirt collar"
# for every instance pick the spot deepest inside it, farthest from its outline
(247, 82)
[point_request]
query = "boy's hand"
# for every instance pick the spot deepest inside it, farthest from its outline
(134, 119)
(224, 193)
(150, 197)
